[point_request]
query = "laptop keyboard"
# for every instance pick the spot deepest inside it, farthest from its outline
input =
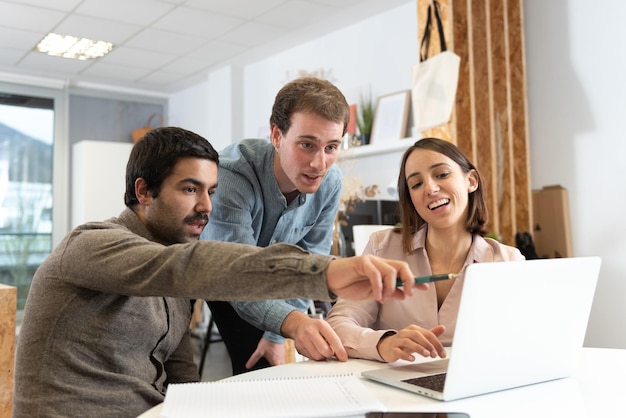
(434, 382)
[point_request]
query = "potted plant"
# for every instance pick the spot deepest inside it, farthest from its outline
(365, 118)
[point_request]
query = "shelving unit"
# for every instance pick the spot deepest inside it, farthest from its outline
(98, 179)
(384, 147)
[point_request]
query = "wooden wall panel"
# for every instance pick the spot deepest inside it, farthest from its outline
(462, 119)
(8, 305)
(504, 192)
(519, 116)
(447, 131)
(482, 135)
(489, 122)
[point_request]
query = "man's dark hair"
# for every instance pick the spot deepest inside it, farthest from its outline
(153, 158)
(310, 95)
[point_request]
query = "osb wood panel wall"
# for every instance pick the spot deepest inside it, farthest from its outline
(489, 121)
(8, 305)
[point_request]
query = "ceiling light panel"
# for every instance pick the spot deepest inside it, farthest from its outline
(68, 46)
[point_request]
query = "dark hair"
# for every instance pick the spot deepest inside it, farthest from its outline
(153, 158)
(411, 221)
(309, 95)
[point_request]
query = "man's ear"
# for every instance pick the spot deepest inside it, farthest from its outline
(141, 190)
(276, 136)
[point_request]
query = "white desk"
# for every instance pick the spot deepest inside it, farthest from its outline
(596, 390)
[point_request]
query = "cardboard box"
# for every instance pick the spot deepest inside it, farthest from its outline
(551, 231)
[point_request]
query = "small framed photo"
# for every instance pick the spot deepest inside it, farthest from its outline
(391, 116)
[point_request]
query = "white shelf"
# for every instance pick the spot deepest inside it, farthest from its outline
(384, 147)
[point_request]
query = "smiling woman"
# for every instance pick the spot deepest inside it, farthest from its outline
(441, 232)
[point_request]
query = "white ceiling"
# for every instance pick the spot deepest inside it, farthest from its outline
(165, 45)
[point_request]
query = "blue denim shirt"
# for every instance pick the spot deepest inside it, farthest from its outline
(248, 207)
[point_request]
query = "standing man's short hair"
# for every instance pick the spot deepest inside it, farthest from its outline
(310, 95)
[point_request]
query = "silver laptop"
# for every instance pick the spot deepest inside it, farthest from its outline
(519, 323)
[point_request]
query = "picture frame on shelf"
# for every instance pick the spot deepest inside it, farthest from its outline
(391, 116)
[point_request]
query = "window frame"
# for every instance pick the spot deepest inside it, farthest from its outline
(60, 159)
(60, 154)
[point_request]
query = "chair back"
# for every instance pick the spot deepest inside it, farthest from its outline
(361, 234)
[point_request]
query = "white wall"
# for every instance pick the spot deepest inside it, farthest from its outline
(576, 112)
(212, 108)
(575, 93)
(376, 54)
(189, 108)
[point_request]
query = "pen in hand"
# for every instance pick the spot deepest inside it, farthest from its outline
(428, 279)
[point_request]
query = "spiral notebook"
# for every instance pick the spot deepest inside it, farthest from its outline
(341, 395)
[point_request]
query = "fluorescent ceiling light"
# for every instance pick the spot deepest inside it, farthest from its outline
(72, 47)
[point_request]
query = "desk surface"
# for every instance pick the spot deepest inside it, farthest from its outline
(595, 390)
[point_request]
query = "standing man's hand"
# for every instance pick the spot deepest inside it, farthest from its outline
(273, 352)
(314, 338)
(370, 277)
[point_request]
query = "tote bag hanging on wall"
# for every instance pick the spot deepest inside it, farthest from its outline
(140, 132)
(434, 79)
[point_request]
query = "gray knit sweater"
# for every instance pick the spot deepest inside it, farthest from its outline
(106, 321)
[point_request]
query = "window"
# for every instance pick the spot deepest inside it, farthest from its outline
(36, 173)
(27, 141)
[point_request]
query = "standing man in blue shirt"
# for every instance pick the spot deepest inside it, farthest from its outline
(283, 190)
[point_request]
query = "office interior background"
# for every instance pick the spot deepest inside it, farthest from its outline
(575, 115)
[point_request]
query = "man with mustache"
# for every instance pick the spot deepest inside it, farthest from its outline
(283, 190)
(106, 322)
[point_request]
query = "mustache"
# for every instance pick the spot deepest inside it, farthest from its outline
(198, 217)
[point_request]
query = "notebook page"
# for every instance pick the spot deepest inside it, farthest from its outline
(302, 397)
